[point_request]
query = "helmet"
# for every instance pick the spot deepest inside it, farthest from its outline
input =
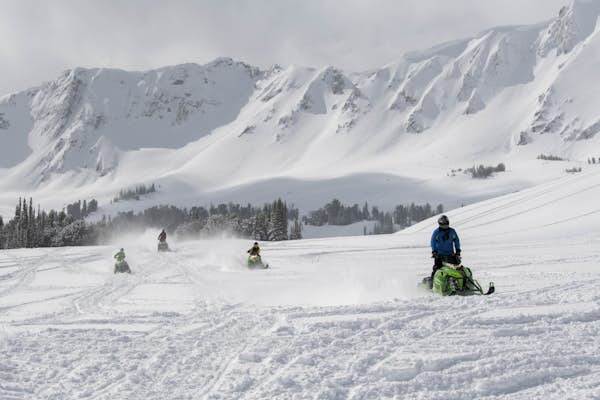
(443, 222)
(256, 243)
(122, 249)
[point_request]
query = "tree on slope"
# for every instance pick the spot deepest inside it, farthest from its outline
(296, 230)
(278, 224)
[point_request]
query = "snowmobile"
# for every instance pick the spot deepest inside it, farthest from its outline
(163, 246)
(455, 279)
(122, 267)
(255, 262)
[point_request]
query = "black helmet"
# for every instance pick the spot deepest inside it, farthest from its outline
(256, 243)
(443, 222)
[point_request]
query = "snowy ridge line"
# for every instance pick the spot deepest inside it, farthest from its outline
(552, 201)
(479, 212)
(563, 221)
(533, 193)
(99, 130)
(504, 202)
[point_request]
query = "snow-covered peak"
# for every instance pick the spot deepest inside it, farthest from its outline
(573, 25)
(473, 100)
(85, 114)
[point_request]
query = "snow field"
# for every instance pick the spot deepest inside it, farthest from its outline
(334, 318)
(183, 327)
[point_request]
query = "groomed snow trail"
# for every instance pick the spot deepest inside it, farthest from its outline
(336, 318)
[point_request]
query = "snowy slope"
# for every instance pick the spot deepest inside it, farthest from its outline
(333, 319)
(505, 95)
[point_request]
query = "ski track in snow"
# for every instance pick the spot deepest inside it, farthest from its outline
(537, 337)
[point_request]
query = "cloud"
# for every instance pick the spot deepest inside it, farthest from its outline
(38, 39)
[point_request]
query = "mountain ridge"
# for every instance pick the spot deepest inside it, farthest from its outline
(227, 121)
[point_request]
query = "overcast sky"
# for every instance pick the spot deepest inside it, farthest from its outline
(41, 38)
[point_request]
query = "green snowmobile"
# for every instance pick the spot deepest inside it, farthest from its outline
(163, 246)
(121, 265)
(255, 262)
(254, 259)
(455, 279)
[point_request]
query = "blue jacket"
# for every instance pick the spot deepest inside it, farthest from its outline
(445, 241)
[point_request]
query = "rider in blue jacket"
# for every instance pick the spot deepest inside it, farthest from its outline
(445, 245)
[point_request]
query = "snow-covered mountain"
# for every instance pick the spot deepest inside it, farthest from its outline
(505, 95)
(86, 117)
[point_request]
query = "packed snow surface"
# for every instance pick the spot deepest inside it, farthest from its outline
(336, 318)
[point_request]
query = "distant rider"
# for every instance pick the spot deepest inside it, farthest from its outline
(163, 236)
(254, 250)
(445, 245)
(120, 256)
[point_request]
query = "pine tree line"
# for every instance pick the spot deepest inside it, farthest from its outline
(481, 171)
(549, 157)
(29, 228)
(267, 223)
(336, 213)
(78, 210)
(135, 192)
(37, 228)
(271, 222)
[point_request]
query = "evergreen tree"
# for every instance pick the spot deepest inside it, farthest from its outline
(31, 229)
(92, 206)
(52, 219)
(2, 234)
(365, 212)
(375, 213)
(278, 221)
(61, 219)
(388, 223)
(74, 210)
(16, 237)
(261, 227)
(296, 230)
(40, 222)
(23, 226)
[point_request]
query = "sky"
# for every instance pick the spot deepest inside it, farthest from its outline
(39, 39)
